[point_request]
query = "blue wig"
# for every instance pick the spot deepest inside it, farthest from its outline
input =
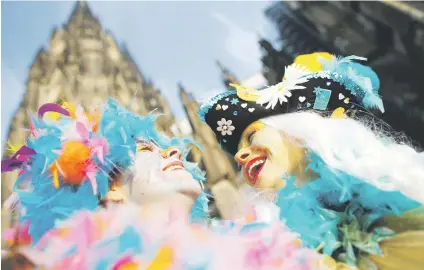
(121, 128)
(43, 204)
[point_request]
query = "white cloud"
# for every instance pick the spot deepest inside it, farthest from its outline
(241, 44)
(257, 81)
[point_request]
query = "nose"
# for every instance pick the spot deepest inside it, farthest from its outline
(243, 155)
(172, 152)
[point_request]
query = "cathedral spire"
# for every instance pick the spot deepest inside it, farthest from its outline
(227, 76)
(181, 88)
(185, 97)
(81, 12)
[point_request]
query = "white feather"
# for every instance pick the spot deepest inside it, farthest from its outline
(280, 92)
(12, 202)
(350, 146)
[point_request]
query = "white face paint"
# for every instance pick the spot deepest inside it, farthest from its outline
(159, 172)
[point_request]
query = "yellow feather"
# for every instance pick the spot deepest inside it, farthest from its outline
(13, 148)
(52, 116)
(55, 175)
(311, 61)
(246, 93)
(163, 260)
(70, 107)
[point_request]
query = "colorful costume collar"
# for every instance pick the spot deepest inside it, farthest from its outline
(327, 84)
(116, 238)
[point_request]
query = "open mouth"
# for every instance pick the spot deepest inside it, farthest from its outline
(174, 166)
(254, 168)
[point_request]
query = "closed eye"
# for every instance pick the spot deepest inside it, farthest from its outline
(144, 149)
(250, 137)
(143, 146)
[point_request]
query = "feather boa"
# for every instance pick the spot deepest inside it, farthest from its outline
(116, 238)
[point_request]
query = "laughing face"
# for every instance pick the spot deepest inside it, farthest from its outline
(160, 171)
(265, 155)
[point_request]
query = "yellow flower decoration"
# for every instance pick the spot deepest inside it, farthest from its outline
(246, 93)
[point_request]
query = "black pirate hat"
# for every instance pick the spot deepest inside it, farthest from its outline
(341, 87)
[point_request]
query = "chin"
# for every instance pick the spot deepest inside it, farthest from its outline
(190, 194)
(184, 183)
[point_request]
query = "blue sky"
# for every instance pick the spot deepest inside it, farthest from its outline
(170, 41)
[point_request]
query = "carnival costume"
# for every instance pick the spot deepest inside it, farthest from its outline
(66, 163)
(68, 157)
(366, 222)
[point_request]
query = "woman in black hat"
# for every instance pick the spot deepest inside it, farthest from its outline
(342, 178)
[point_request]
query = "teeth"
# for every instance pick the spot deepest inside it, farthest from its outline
(175, 167)
(257, 163)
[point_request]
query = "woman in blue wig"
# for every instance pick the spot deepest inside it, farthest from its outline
(74, 161)
(159, 171)
(345, 182)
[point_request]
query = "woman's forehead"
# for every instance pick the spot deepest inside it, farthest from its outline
(157, 144)
(146, 141)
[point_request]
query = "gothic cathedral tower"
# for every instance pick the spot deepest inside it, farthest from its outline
(84, 65)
